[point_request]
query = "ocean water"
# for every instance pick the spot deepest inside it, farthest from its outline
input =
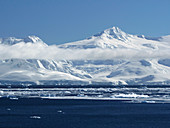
(47, 113)
(85, 107)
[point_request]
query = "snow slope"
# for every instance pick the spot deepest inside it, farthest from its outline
(110, 56)
(115, 38)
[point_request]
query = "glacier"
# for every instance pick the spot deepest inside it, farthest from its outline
(111, 57)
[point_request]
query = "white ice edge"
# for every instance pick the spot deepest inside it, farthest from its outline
(130, 100)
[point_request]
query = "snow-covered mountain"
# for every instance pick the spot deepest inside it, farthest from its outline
(13, 40)
(115, 38)
(111, 56)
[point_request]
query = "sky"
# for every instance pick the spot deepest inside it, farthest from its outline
(61, 21)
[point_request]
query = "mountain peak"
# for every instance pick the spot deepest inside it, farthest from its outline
(113, 30)
(109, 38)
(28, 39)
(115, 33)
(32, 39)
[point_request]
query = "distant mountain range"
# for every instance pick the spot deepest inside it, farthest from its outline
(111, 56)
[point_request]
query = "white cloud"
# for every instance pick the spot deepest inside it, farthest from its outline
(38, 51)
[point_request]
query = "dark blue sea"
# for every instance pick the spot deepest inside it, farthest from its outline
(77, 113)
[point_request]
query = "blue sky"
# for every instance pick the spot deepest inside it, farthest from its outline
(60, 21)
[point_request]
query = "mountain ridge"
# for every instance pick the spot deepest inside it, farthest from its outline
(115, 38)
(29, 39)
(111, 56)
(113, 32)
